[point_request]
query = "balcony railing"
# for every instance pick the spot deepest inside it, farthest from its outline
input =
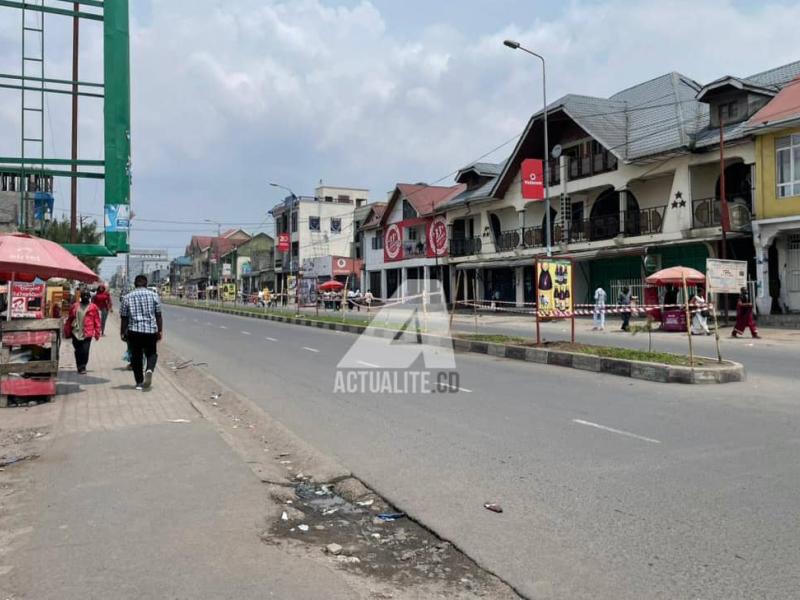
(507, 240)
(646, 221)
(465, 247)
(586, 166)
(413, 248)
(707, 212)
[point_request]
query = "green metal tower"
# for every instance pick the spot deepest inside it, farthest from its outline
(33, 166)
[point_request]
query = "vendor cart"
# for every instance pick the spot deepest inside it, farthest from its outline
(29, 350)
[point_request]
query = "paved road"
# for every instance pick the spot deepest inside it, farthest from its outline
(612, 488)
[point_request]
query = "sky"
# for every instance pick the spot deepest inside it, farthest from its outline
(227, 96)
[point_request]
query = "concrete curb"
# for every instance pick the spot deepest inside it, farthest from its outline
(727, 372)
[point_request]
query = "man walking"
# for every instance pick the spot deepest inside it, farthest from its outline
(141, 326)
(624, 301)
(599, 316)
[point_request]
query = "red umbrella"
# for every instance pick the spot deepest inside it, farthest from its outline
(23, 257)
(675, 275)
(331, 286)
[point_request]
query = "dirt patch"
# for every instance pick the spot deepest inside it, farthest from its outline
(371, 538)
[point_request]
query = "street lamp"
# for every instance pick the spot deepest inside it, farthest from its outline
(291, 211)
(219, 233)
(516, 46)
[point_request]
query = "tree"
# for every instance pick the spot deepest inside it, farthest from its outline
(58, 231)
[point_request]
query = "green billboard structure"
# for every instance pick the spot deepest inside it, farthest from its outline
(114, 168)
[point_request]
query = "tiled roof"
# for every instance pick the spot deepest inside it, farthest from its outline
(426, 198)
(657, 117)
(374, 217)
(784, 106)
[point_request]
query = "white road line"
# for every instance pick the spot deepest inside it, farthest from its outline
(310, 349)
(453, 387)
(271, 339)
(245, 333)
(612, 430)
(223, 326)
(368, 364)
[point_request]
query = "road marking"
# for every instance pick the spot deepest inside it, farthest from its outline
(368, 364)
(612, 430)
(245, 333)
(271, 339)
(223, 327)
(310, 349)
(453, 387)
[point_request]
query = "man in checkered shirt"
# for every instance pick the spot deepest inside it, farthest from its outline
(141, 327)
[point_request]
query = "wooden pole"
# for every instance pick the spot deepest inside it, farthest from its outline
(716, 331)
(536, 301)
(475, 299)
(455, 301)
(688, 319)
(345, 302)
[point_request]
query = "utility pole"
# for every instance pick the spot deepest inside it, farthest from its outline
(546, 154)
(73, 233)
(725, 219)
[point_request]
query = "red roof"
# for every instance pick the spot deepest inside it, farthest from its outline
(374, 216)
(201, 241)
(424, 198)
(784, 106)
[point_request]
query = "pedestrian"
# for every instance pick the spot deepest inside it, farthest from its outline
(624, 301)
(142, 326)
(83, 323)
(700, 318)
(744, 316)
(599, 315)
(103, 301)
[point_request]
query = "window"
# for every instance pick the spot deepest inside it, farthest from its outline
(729, 111)
(787, 161)
(313, 223)
(408, 211)
(412, 233)
(328, 198)
(377, 241)
(344, 199)
(336, 225)
(294, 222)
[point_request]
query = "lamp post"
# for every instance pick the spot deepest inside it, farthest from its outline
(548, 233)
(291, 214)
(216, 252)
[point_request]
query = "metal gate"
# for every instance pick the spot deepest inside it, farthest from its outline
(793, 264)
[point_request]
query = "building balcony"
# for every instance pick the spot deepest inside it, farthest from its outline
(413, 249)
(646, 221)
(465, 247)
(707, 212)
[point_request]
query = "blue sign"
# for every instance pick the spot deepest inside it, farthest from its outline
(118, 217)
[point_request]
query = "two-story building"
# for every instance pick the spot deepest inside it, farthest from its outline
(634, 186)
(406, 240)
(206, 253)
(776, 231)
(319, 226)
(251, 264)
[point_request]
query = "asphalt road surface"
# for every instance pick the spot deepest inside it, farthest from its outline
(611, 487)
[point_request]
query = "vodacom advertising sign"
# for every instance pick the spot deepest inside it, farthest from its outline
(392, 243)
(436, 231)
(532, 174)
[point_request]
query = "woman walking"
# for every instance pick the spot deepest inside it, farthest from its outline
(744, 316)
(700, 319)
(83, 324)
(103, 301)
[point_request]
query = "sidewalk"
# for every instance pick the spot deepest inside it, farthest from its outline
(126, 503)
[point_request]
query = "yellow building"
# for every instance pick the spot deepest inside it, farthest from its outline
(776, 231)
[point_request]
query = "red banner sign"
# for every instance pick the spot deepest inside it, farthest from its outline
(436, 232)
(392, 243)
(532, 179)
(27, 300)
(283, 242)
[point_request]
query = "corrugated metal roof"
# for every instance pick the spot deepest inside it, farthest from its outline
(779, 76)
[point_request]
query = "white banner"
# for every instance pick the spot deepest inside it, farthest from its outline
(725, 276)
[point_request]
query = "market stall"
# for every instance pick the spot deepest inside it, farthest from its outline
(30, 343)
(673, 316)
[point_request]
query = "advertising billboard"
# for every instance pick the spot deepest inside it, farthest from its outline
(532, 177)
(554, 293)
(725, 276)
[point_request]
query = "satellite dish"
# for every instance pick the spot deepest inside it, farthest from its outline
(556, 151)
